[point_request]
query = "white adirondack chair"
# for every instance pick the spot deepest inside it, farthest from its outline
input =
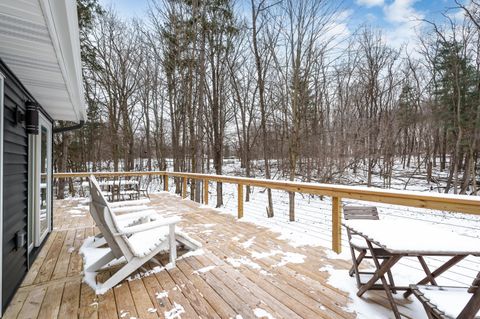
(129, 216)
(138, 243)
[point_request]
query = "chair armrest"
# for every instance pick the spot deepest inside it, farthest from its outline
(137, 214)
(130, 208)
(148, 226)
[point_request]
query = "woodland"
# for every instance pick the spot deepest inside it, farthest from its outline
(275, 82)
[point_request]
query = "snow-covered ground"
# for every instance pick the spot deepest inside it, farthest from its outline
(312, 225)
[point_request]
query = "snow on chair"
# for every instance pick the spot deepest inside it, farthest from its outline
(138, 243)
(358, 244)
(450, 302)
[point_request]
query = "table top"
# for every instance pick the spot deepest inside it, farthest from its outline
(414, 238)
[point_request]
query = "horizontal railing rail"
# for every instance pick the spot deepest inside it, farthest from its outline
(445, 202)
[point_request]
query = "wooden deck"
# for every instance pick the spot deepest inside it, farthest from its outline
(231, 282)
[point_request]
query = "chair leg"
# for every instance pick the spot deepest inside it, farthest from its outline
(392, 283)
(99, 242)
(359, 259)
(472, 307)
(172, 245)
(381, 269)
(355, 266)
(101, 262)
(390, 278)
(120, 275)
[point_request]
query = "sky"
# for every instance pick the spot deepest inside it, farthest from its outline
(399, 20)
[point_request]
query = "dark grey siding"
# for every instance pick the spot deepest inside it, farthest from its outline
(15, 186)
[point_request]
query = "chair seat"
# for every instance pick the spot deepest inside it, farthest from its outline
(143, 243)
(449, 301)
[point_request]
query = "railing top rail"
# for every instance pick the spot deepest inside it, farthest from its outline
(448, 202)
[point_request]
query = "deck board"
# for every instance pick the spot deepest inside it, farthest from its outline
(231, 281)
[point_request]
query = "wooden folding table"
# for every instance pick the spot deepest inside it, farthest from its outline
(405, 238)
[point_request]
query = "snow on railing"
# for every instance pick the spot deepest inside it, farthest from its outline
(446, 202)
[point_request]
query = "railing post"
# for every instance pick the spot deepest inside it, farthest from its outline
(165, 183)
(205, 191)
(184, 188)
(291, 206)
(240, 201)
(337, 224)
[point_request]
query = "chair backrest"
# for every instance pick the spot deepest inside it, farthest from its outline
(475, 285)
(360, 212)
(107, 223)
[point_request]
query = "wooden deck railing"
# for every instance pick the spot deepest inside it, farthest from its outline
(446, 202)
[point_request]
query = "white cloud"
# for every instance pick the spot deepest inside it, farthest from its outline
(370, 3)
(338, 28)
(401, 11)
(403, 23)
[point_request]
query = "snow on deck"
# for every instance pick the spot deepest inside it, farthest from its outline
(313, 226)
(257, 266)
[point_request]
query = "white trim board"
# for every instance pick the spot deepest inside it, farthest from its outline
(39, 42)
(2, 94)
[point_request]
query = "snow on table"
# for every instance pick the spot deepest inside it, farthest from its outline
(449, 300)
(406, 236)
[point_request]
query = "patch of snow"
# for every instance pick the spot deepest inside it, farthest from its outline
(293, 237)
(123, 313)
(196, 252)
(261, 313)
(90, 255)
(293, 258)
(203, 270)
(248, 243)
(237, 262)
(257, 255)
(161, 294)
(152, 310)
(150, 272)
(339, 278)
(70, 250)
(175, 312)
(288, 257)
(344, 255)
(208, 225)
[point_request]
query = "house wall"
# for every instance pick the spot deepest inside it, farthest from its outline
(15, 187)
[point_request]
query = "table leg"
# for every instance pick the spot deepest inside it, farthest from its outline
(380, 274)
(356, 261)
(427, 270)
(440, 270)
